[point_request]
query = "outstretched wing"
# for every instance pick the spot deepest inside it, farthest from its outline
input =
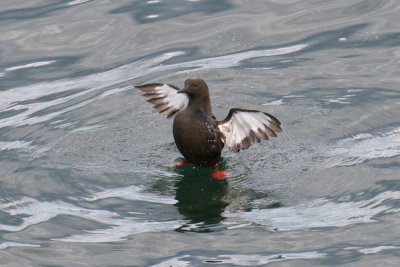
(165, 98)
(242, 128)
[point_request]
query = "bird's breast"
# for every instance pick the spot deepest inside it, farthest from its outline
(196, 135)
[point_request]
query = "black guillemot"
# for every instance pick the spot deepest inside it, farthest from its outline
(198, 135)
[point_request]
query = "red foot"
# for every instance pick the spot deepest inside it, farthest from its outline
(180, 163)
(220, 175)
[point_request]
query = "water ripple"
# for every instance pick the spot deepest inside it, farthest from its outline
(83, 88)
(238, 259)
(116, 227)
(131, 193)
(77, 2)
(364, 146)
(30, 65)
(11, 244)
(14, 145)
(319, 213)
(373, 250)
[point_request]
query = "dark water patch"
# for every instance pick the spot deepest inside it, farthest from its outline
(49, 97)
(34, 12)
(155, 11)
(384, 40)
(10, 113)
(322, 13)
(329, 39)
(394, 165)
(37, 70)
(315, 78)
(333, 39)
(5, 217)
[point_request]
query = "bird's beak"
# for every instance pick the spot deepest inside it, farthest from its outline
(183, 90)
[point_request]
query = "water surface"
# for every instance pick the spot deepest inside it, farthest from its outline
(86, 176)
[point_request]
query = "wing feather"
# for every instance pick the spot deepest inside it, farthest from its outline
(242, 128)
(165, 98)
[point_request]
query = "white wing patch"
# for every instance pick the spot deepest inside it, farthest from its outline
(165, 98)
(242, 128)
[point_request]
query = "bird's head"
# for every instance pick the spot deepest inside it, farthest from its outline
(195, 88)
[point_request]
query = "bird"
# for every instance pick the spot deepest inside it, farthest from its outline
(198, 135)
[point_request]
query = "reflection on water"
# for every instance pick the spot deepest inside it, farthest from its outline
(200, 197)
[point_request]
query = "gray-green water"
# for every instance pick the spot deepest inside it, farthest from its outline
(85, 163)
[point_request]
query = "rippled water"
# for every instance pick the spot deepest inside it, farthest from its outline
(86, 176)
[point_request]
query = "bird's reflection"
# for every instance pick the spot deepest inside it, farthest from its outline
(200, 197)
